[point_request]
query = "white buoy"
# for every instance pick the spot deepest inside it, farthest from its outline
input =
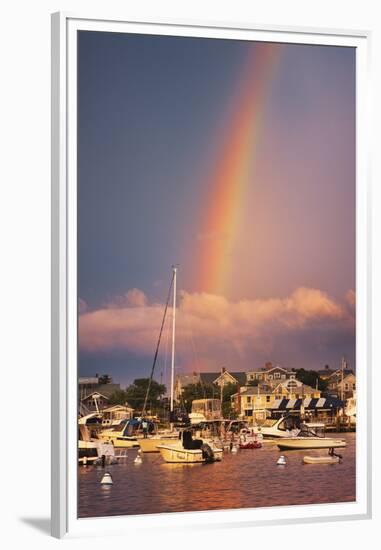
(282, 461)
(138, 458)
(106, 479)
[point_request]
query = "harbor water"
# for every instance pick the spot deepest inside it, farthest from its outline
(247, 479)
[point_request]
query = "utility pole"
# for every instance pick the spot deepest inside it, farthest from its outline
(342, 378)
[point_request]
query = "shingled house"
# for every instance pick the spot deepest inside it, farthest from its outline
(221, 378)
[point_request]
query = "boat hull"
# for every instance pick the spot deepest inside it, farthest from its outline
(289, 444)
(149, 445)
(250, 445)
(321, 459)
(121, 442)
(173, 454)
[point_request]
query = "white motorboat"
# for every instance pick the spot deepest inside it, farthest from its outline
(119, 436)
(91, 450)
(310, 436)
(190, 451)
(286, 426)
(321, 459)
(150, 444)
(294, 443)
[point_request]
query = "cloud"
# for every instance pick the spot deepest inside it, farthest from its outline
(212, 328)
(351, 298)
(132, 298)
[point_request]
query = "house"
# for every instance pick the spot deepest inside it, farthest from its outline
(88, 385)
(255, 403)
(325, 373)
(95, 402)
(220, 379)
(270, 374)
(342, 384)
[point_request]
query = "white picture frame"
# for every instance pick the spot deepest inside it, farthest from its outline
(64, 274)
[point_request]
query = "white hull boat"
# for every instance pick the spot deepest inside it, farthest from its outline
(176, 454)
(150, 444)
(92, 450)
(286, 427)
(321, 459)
(291, 443)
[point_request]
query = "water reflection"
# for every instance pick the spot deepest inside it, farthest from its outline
(248, 479)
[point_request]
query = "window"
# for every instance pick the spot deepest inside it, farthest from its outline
(248, 399)
(267, 398)
(270, 376)
(283, 377)
(277, 375)
(292, 376)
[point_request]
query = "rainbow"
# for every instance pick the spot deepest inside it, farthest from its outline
(231, 173)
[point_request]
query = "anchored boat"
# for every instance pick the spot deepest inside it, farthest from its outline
(310, 436)
(321, 459)
(190, 451)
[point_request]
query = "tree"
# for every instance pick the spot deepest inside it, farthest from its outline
(118, 397)
(136, 393)
(309, 378)
(227, 391)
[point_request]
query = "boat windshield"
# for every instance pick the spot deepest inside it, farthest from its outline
(308, 431)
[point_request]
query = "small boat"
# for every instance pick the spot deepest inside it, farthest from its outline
(321, 459)
(250, 445)
(310, 442)
(286, 426)
(120, 436)
(190, 451)
(310, 436)
(150, 444)
(248, 439)
(91, 450)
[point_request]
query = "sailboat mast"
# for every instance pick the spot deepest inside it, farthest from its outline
(173, 338)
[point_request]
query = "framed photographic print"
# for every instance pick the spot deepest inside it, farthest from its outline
(211, 275)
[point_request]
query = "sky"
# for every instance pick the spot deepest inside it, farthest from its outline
(235, 161)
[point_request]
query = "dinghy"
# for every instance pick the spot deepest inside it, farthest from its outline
(321, 459)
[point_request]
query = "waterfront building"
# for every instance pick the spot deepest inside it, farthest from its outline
(342, 384)
(255, 403)
(95, 402)
(322, 409)
(325, 373)
(220, 379)
(88, 385)
(269, 373)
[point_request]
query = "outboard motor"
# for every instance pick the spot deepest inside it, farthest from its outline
(207, 452)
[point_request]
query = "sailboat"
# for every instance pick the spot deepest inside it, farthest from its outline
(149, 444)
